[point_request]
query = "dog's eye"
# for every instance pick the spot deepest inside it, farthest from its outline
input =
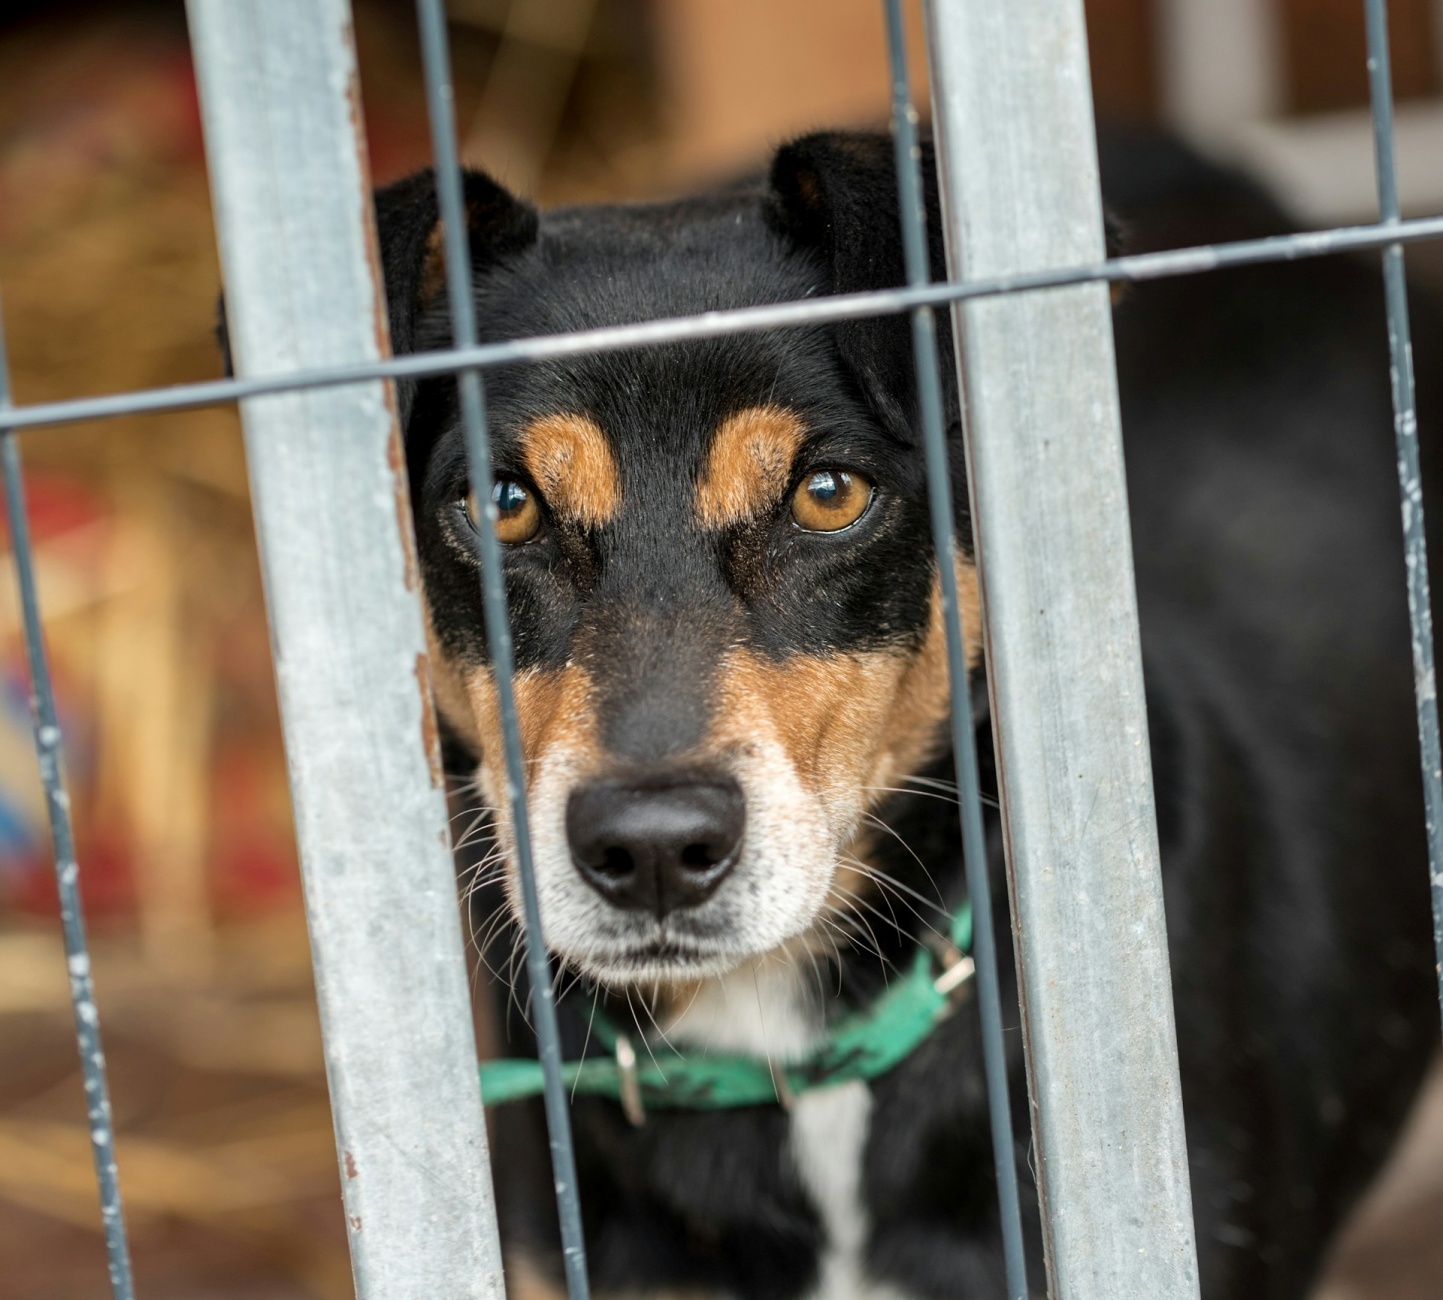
(830, 500)
(518, 516)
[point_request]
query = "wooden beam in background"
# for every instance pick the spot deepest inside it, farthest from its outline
(1122, 50)
(1325, 56)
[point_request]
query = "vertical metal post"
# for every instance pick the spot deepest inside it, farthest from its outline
(1410, 477)
(281, 112)
(1013, 115)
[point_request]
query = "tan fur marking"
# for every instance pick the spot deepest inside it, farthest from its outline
(448, 685)
(849, 721)
(916, 723)
(749, 465)
(553, 708)
(916, 729)
(826, 711)
(571, 461)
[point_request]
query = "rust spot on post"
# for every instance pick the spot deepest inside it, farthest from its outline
(430, 738)
(395, 452)
(350, 1162)
(396, 459)
(368, 212)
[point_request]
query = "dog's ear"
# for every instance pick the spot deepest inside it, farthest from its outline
(835, 194)
(408, 225)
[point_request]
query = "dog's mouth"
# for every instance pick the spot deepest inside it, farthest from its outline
(663, 961)
(748, 908)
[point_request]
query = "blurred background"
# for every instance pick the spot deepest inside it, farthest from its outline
(108, 280)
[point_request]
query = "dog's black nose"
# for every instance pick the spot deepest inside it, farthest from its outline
(657, 844)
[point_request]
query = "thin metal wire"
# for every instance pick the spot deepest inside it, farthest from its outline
(742, 320)
(67, 869)
(964, 743)
(436, 61)
(1410, 481)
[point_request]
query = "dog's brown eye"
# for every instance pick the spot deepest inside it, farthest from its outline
(518, 516)
(830, 500)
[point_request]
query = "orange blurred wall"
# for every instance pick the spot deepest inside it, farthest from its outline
(740, 76)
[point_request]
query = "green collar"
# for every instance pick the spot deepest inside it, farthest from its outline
(863, 1045)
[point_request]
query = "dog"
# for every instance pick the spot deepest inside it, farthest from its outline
(733, 696)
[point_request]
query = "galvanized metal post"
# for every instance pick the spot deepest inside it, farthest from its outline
(1013, 116)
(288, 173)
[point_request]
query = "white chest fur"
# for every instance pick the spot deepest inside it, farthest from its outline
(771, 1009)
(829, 1135)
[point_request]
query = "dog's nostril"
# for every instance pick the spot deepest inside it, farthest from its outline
(656, 843)
(617, 862)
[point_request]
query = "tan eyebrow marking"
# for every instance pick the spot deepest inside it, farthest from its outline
(571, 461)
(749, 465)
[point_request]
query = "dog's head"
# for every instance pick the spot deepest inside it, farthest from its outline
(718, 559)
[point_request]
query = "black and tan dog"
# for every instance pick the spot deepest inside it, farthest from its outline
(732, 694)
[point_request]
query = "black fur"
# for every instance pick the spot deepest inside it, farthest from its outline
(1270, 574)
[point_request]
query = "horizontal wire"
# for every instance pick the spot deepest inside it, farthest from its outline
(740, 320)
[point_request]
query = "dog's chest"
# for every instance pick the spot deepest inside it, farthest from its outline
(828, 1138)
(771, 1012)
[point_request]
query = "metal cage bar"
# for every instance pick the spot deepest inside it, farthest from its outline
(436, 64)
(1018, 165)
(740, 320)
(280, 109)
(913, 212)
(1410, 481)
(49, 750)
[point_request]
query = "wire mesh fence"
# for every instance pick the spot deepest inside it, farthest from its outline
(281, 54)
